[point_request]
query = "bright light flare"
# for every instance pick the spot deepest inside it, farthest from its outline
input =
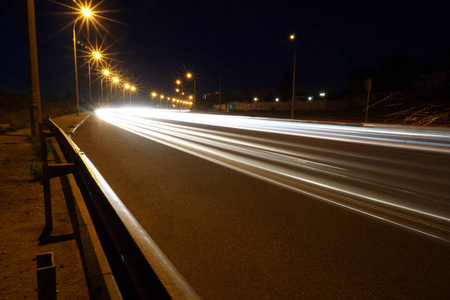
(86, 11)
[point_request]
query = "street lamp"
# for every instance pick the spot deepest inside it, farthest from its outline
(86, 13)
(105, 73)
(160, 98)
(96, 56)
(133, 88)
(126, 87)
(154, 94)
(292, 38)
(114, 83)
(190, 76)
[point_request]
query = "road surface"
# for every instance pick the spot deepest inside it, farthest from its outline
(260, 209)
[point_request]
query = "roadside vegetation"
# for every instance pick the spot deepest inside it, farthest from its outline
(14, 109)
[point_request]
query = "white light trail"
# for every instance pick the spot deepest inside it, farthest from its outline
(293, 166)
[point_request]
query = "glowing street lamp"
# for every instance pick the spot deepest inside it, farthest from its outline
(126, 87)
(292, 38)
(105, 73)
(190, 76)
(160, 98)
(85, 13)
(154, 94)
(132, 89)
(96, 56)
(115, 82)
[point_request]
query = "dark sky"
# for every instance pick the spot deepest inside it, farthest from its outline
(246, 40)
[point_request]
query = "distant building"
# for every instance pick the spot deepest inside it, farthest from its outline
(434, 81)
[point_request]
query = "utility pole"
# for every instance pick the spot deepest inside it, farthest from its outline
(33, 71)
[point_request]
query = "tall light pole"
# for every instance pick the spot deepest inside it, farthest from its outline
(133, 88)
(179, 83)
(104, 74)
(154, 94)
(33, 71)
(96, 55)
(85, 13)
(126, 87)
(190, 76)
(114, 83)
(292, 38)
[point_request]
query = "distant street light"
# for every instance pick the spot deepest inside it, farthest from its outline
(96, 56)
(114, 83)
(190, 76)
(154, 94)
(292, 38)
(105, 73)
(86, 13)
(126, 87)
(133, 89)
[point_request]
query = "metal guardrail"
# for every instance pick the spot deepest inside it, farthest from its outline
(152, 274)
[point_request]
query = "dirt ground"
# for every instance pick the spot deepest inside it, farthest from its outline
(22, 222)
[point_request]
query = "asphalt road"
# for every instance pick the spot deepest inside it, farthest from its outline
(270, 214)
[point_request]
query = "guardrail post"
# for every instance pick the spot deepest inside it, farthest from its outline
(46, 276)
(46, 182)
(48, 172)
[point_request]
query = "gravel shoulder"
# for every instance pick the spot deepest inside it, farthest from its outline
(22, 222)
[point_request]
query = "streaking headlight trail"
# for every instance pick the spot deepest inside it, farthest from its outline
(381, 186)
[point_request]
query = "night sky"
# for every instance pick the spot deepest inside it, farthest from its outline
(155, 42)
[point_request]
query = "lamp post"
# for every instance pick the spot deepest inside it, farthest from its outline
(292, 38)
(86, 13)
(153, 96)
(104, 74)
(190, 76)
(179, 83)
(96, 55)
(126, 87)
(160, 98)
(132, 89)
(114, 83)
